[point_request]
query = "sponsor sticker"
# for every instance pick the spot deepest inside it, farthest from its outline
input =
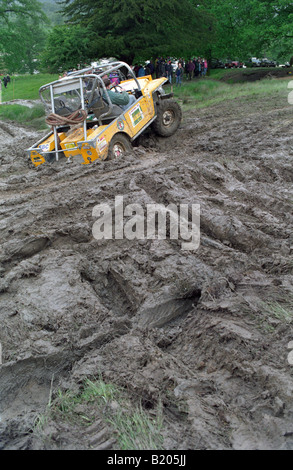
(120, 124)
(70, 145)
(45, 147)
(136, 115)
(102, 143)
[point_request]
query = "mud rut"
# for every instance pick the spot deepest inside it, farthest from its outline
(206, 332)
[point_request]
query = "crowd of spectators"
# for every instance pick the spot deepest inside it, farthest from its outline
(168, 67)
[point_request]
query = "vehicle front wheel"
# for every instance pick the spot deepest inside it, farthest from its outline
(119, 145)
(168, 118)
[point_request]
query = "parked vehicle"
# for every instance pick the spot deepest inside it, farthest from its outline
(267, 63)
(233, 64)
(254, 62)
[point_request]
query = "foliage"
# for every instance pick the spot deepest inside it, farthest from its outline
(66, 47)
(127, 29)
(250, 27)
(26, 8)
(21, 34)
(137, 31)
(51, 9)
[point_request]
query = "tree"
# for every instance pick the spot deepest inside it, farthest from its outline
(279, 30)
(23, 43)
(16, 8)
(250, 27)
(21, 34)
(51, 9)
(127, 28)
(67, 46)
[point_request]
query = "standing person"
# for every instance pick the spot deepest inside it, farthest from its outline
(147, 69)
(5, 81)
(199, 67)
(190, 69)
(136, 69)
(163, 68)
(186, 68)
(196, 70)
(205, 67)
(141, 72)
(179, 73)
(169, 70)
(202, 68)
(159, 68)
(151, 66)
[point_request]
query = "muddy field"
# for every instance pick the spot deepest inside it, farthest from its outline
(204, 332)
(254, 74)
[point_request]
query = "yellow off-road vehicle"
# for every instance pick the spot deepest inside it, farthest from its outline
(87, 126)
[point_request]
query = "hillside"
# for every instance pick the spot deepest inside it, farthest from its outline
(51, 9)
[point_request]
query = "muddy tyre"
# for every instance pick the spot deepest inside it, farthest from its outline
(168, 118)
(119, 145)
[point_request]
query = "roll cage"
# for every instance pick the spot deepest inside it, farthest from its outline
(83, 84)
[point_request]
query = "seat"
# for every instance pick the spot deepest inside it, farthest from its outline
(100, 107)
(65, 106)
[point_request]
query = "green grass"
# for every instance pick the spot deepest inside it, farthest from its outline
(274, 313)
(199, 93)
(133, 427)
(32, 117)
(202, 93)
(136, 430)
(25, 87)
(279, 312)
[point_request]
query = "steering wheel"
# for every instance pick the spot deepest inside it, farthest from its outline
(117, 88)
